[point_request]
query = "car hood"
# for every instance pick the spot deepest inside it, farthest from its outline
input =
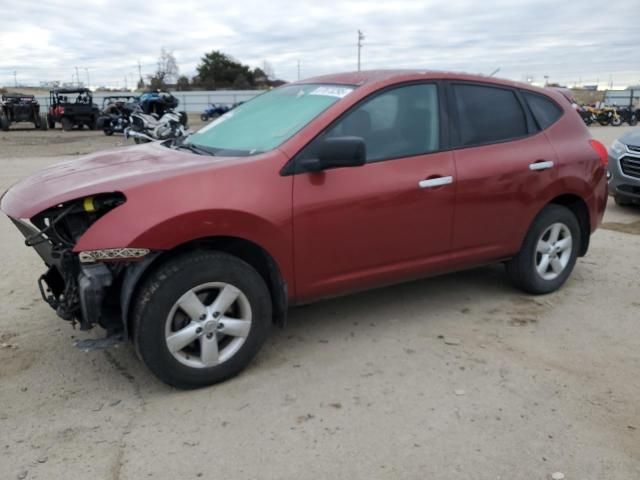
(103, 172)
(631, 138)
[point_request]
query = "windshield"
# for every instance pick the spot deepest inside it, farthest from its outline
(268, 120)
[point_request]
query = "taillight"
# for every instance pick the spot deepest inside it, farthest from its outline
(601, 150)
(61, 110)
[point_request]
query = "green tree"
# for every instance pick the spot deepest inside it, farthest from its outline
(218, 70)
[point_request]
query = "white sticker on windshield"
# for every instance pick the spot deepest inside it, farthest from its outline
(339, 92)
(217, 121)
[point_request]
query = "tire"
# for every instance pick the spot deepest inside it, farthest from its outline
(51, 122)
(156, 317)
(633, 121)
(4, 123)
(616, 121)
(93, 123)
(204, 117)
(184, 119)
(43, 123)
(523, 269)
(67, 124)
(108, 132)
(622, 201)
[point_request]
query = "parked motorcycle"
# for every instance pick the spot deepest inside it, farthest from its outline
(116, 112)
(608, 116)
(627, 114)
(150, 127)
(587, 114)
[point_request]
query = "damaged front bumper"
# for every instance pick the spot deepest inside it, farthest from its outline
(88, 288)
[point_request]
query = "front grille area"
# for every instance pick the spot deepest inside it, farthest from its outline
(633, 148)
(630, 166)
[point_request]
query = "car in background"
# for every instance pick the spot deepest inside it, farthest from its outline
(624, 169)
(18, 107)
(194, 247)
(72, 107)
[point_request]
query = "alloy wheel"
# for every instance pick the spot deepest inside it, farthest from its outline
(553, 251)
(208, 325)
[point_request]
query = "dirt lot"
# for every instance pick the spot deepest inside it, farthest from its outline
(366, 386)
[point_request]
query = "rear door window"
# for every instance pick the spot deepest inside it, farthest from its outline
(488, 114)
(544, 110)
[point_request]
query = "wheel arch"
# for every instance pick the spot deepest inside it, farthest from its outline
(579, 208)
(248, 251)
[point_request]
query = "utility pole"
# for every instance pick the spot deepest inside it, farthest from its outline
(77, 78)
(126, 87)
(360, 39)
(140, 70)
(88, 79)
(546, 80)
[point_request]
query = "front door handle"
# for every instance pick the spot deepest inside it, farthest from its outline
(541, 165)
(435, 182)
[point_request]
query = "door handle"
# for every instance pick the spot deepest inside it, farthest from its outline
(541, 165)
(435, 182)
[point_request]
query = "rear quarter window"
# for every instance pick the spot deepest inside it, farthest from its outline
(544, 110)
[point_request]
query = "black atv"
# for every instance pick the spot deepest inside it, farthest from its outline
(72, 107)
(17, 107)
(116, 113)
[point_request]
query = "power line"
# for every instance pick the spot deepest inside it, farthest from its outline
(360, 39)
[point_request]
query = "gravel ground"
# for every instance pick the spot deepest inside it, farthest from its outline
(458, 376)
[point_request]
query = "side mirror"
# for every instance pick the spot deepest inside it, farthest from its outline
(337, 152)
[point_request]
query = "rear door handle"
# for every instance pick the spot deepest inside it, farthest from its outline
(541, 165)
(435, 182)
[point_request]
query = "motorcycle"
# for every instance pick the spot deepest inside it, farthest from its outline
(116, 114)
(150, 127)
(608, 116)
(587, 114)
(627, 114)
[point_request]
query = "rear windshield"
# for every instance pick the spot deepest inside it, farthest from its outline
(268, 120)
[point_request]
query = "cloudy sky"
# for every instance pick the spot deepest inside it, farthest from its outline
(570, 41)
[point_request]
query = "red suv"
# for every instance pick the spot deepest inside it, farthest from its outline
(194, 248)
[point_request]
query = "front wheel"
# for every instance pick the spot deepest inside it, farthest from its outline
(616, 121)
(204, 117)
(4, 123)
(44, 124)
(549, 251)
(201, 318)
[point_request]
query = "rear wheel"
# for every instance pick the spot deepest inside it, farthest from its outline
(201, 318)
(549, 251)
(616, 121)
(50, 121)
(67, 124)
(4, 123)
(204, 117)
(43, 122)
(633, 121)
(108, 132)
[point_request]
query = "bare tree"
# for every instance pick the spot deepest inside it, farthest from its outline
(167, 71)
(268, 70)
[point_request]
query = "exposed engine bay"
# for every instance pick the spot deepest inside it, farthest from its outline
(81, 288)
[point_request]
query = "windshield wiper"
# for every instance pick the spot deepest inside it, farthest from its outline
(179, 143)
(192, 148)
